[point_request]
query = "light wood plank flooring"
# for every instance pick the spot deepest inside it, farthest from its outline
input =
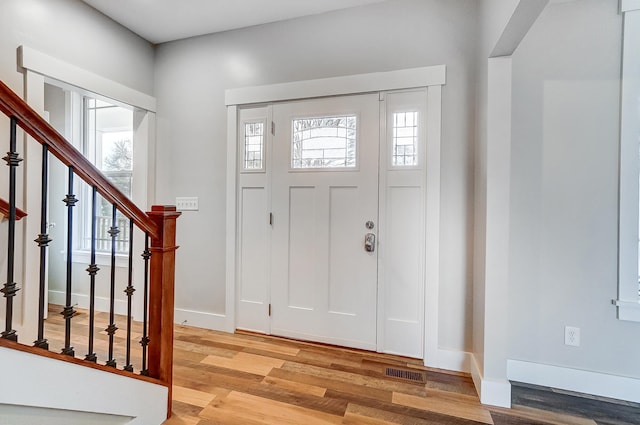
(247, 379)
(54, 332)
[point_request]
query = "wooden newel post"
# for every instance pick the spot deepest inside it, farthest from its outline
(161, 294)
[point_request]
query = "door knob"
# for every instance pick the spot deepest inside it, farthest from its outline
(370, 242)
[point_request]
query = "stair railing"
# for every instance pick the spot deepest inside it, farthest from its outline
(158, 226)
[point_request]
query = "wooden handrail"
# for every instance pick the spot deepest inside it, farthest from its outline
(31, 122)
(4, 210)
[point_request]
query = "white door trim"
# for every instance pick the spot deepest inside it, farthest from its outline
(339, 86)
(50, 67)
(430, 77)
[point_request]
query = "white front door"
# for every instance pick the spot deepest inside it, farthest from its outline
(315, 178)
(325, 217)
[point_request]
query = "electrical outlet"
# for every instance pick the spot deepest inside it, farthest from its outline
(572, 336)
(187, 204)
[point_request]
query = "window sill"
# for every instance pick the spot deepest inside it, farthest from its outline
(628, 310)
(102, 259)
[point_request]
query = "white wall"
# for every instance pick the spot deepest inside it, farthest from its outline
(74, 32)
(191, 77)
(563, 263)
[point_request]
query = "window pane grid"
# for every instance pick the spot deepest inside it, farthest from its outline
(103, 239)
(405, 139)
(253, 145)
(324, 142)
(108, 144)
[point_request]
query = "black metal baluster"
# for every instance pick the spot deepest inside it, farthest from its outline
(111, 329)
(43, 242)
(10, 287)
(68, 310)
(129, 291)
(146, 255)
(93, 270)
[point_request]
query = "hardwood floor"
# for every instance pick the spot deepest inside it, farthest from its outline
(603, 411)
(252, 379)
(54, 331)
(247, 379)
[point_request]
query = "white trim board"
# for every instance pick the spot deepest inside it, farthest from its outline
(491, 392)
(339, 86)
(231, 263)
(629, 5)
(57, 69)
(82, 301)
(432, 228)
(204, 320)
(459, 361)
(582, 381)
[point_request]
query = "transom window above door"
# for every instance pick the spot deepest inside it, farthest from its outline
(324, 142)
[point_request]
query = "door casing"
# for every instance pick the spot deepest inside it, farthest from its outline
(432, 78)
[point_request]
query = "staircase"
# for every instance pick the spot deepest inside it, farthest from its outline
(67, 386)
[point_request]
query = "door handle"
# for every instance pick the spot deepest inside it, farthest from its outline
(370, 242)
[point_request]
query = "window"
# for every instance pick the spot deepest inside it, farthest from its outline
(628, 301)
(108, 144)
(253, 145)
(324, 142)
(405, 139)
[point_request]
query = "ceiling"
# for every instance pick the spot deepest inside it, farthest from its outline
(159, 21)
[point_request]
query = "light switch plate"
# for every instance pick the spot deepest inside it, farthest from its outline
(187, 203)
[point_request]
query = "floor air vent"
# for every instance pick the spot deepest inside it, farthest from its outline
(408, 375)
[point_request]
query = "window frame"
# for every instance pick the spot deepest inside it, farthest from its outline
(628, 299)
(416, 146)
(92, 150)
(243, 147)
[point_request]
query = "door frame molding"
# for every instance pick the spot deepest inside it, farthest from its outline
(432, 78)
(40, 69)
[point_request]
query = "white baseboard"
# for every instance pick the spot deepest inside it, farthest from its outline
(82, 301)
(582, 381)
(491, 392)
(200, 319)
(458, 361)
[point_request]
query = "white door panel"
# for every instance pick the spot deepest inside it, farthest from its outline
(324, 283)
(252, 304)
(402, 223)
